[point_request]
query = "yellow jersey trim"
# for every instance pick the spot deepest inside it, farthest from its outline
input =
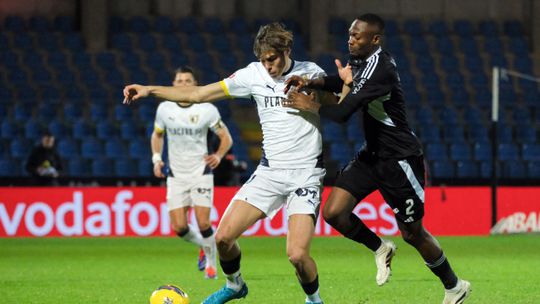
(225, 89)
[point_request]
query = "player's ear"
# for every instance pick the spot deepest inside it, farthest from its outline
(377, 39)
(287, 53)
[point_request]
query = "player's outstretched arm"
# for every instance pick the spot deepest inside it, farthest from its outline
(193, 94)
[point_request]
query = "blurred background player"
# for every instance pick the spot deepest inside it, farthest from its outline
(291, 171)
(391, 161)
(44, 163)
(190, 181)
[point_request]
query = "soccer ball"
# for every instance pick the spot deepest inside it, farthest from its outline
(169, 294)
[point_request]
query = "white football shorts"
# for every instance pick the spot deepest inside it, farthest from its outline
(268, 189)
(192, 191)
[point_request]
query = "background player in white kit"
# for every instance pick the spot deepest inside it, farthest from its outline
(190, 181)
(290, 173)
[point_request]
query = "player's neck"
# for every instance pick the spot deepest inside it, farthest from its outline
(287, 67)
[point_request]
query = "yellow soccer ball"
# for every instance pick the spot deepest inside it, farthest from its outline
(169, 294)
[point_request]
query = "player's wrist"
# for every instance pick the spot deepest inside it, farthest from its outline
(156, 158)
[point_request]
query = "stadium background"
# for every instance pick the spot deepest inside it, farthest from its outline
(63, 64)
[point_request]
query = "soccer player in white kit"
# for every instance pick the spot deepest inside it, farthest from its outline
(291, 171)
(190, 182)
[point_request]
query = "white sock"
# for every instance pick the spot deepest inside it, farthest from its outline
(235, 281)
(209, 248)
(194, 236)
(316, 298)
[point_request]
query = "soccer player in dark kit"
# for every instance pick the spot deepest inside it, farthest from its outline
(392, 159)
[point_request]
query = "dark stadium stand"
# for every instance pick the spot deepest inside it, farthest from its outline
(50, 81)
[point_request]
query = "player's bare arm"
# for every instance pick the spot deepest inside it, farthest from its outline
(225, 143)
(190, 94)
(156, 143)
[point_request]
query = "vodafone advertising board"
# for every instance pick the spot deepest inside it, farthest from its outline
(141, 211)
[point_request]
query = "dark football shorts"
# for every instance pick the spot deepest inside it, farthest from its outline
(400, 181)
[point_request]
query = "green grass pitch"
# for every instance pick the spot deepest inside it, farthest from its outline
(502, 269)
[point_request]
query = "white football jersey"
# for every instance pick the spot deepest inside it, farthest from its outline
(186, 128)
(291, 138)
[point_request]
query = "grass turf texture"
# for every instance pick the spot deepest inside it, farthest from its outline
(502, 269)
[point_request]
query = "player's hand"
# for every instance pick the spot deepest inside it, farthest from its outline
(295, 81)
(302, 102)
(212, 160)
(133, 92)
(158, 166)
(344, 72)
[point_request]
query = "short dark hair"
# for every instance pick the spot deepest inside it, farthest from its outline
(186, 69)
(272, 37)
(373, 19)
(45, 132)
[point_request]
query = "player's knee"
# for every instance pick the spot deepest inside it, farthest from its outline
(180, 228)
(224, 242)
(330, 214)
(412, 238)
(414, 235)
(297, 257)
(203, 224)
(407, 237)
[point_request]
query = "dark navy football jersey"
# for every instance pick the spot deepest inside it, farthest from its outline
(376, 92)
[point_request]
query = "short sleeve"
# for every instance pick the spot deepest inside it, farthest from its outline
(159, 124)
(239, 83)
(214, 118)
(317, 72)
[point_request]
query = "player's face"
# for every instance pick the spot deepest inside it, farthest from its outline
(47, 141)
(184, 80)
(363, 39)
(275, 62)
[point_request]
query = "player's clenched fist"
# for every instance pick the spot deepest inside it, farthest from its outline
(133, 92)
(295, 81)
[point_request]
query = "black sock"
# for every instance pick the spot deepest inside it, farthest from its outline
(183, 232)
(360, 233)
(441, 268)
(232, 266)
(207, 233)
(311, 288)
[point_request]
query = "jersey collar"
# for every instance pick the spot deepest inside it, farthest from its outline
(358, 61)
(290, 68)
(181, 106)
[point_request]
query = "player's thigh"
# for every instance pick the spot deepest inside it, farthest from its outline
(178, 194)
(401, 183)
(304, 190)
(356, 178)
(414, 229)
(238, 217)
(179, 218)
(202, 191)
(265, 190)
(300, 233)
